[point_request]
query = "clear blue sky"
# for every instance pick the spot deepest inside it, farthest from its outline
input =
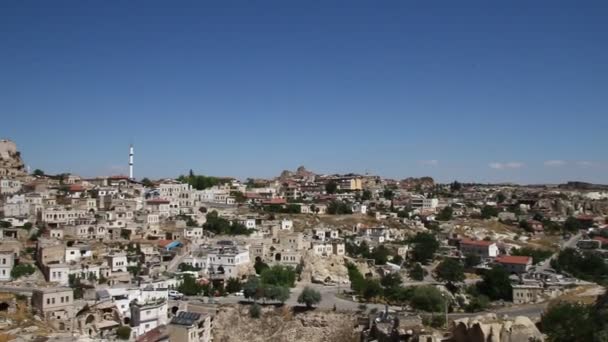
(474, 91)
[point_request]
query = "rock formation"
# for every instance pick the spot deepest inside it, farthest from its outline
(489, 328)
(11, 164)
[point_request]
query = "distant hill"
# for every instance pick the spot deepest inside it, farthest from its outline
(574, 185)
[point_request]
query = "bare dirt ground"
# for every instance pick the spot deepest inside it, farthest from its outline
(233, 323)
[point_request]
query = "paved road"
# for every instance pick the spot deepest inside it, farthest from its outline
(571, 243)
(330, 298)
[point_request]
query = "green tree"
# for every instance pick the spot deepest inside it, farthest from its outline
(356, 278)
(583, 265)
(537, 255)
(388, 194)
(259, 265)
(123, 332)
(252, 288)
(371, 289)
(233, 285)
(5, 224)
(22, 270)
(279, 275)
(310, 297)
(478, 303)
(134, 270)
(496, 284)
(416, 272)
(397, 260)
(427, 298)
(28, 225)
(278, 293)
(489, 211)
(331, 187)
(445, 214)
(425, 246)
(189, 286)
(380, 255)
(38, 172)
(183, 267)
(565, 322)
(525, 225)
(147, 182)
(391, 280)
(472, 260)
(572, 225)
(366, 195)
(450, 271)
(339, 208)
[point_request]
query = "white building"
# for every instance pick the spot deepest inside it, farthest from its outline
(482, 248)
(77, 252)
(59, 215)
(227, 261)
(58, 273)
(16, 205)
(423, 203)
(148, 315)
(117, 262)
(286, 224)
(9, 186)
(7, 261)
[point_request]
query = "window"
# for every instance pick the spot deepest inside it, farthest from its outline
(52, 300)
(62, 299)
(48, 301)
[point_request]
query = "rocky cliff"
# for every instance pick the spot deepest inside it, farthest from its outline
(11, 164)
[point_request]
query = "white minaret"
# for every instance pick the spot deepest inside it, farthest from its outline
(131, 162)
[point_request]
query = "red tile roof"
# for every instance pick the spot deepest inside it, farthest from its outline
(480, 243)
(603, 240)
(164, 243)
(76, 188)
(275, 201)
(514, 259)
(158, 201)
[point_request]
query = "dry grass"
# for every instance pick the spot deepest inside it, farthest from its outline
(586, 294)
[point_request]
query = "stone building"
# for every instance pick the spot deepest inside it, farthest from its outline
(56, 306)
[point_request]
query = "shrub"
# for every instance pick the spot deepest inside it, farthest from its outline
(255, 311)
(22, 270)
(123, 332)
(309, 297)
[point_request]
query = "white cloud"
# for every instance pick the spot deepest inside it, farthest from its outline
(431, 162)
(555, 163)
(507, 165)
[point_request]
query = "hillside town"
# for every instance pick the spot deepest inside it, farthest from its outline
(301, 256)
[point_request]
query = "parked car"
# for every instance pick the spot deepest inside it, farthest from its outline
(240, 293)
(175, 294)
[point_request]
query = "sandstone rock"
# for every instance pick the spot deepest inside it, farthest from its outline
(488, 328)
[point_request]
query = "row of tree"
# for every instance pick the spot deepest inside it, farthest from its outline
(220, 225)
